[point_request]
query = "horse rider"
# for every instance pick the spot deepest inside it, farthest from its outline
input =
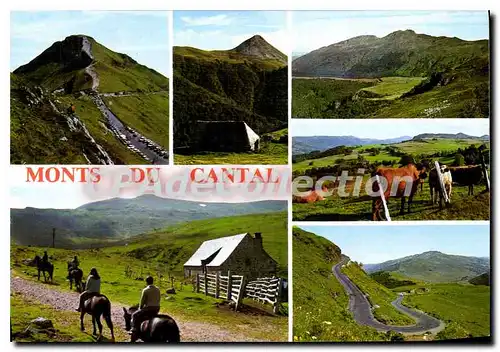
(148, 307)
(45, 258)
(75, 263)
(92, 288)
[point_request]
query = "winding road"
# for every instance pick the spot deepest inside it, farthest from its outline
(133, 138)
(363, 315)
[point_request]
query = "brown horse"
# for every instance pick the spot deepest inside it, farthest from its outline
(161, 328)
(44, 267)
(75, 275)
(97, 306)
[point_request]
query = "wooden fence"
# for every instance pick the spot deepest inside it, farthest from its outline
(265, 290)
(227, 287)
(235, 288)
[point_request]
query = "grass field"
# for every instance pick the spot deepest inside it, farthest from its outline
(164, 253)
(391, 88)
(335, 208)
(270, 153)
(424, 146)
(464, 308)
(333, 98)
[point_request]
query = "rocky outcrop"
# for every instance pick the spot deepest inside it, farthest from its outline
(72, 53)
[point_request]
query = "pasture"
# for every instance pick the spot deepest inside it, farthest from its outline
(124, 266)
(336, 208)
(359, 206)
(464, 308)
(323, 98)
(390, 88)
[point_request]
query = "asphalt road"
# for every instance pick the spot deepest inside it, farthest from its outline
(119, 126)
(361, 309)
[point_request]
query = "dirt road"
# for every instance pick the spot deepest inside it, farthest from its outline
(67, 301)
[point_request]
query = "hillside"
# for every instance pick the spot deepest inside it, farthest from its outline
(401, 53)
(110, 91)
(403, 74)
(319, 301)
(483, 279)
(302, 145)
(161, 255)
(101, 223)
(434, 266)
(247, 83)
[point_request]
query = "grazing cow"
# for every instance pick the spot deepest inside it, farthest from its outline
(467, 176)
(403, 175)
(435, 187)
(313, 196)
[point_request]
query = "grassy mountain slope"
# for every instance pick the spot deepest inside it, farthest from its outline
(320, 303)
(162, 255)
(483, 279)
(114, 219)
(434, 266)
(405, 75)
(401, 53)
(247, 83)
(465, 309)
(57, 78)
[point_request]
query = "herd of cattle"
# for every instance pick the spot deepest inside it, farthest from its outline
(460, 175)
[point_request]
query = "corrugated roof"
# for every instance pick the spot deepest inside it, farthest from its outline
(226, 245)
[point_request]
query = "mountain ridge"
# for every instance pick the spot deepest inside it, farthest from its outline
(434, 266)
(120, 218)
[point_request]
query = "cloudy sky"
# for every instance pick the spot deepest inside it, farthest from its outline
(222, 30)
(313, 29)
(376, 244)
(387, 128)
(143, 35)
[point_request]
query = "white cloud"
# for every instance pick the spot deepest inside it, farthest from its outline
(216, 20)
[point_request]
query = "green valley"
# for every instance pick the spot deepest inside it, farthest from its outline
(325, 311)
(162, 255)
(401, 75)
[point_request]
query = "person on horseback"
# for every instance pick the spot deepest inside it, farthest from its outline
(148, 307)
(92, 288)
(45, 258)
(75, 263)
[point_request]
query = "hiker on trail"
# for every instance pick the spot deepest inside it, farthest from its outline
(45, 258)
(75, 263)
(92, 288)
(71, 109)
(148, 308)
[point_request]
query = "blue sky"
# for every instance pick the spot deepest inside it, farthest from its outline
(222, 30)
(143, 35)
(312, 29)
(376, 244)
(387, 128)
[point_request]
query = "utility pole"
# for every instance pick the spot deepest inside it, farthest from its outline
(53, 237)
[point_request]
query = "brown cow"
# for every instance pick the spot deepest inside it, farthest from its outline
(406, 173)
(313, 196)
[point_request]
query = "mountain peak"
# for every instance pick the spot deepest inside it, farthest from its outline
(257, 46)
(72, 53)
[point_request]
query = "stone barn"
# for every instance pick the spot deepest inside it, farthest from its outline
(242, 254)
(225, 136)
